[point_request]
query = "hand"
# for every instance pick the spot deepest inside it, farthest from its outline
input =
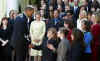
(37, 41)
(4, 42)
(31, 46)
(51, 47)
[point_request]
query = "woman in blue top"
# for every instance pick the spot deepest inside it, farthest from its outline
(87, 39)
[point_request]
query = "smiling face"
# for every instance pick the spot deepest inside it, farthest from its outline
(56, 14)
(38, 16)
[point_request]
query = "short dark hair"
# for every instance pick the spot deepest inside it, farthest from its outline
(79, 37)
(70, 22)
(70, 12)
(64, 31)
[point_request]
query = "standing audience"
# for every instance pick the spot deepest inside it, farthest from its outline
(37, 33)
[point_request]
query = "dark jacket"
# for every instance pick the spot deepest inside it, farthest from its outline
(19, 32)
(76, 52)
(76, 14)
(57, 25)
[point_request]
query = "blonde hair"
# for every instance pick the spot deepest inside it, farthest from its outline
(84, 13)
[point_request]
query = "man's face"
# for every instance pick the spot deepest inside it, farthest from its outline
(56, 14)
(29, 12)
(69, 15)
(85, 3)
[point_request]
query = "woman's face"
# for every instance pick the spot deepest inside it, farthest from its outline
(89, 17)
(5, 22)
(66, 25)
(67, 8)
(93, 18)
(50, 34)
(83, 26)
(82, 15)
(42, 12)
(38, 17)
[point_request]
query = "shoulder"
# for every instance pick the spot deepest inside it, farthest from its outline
(96, 26)
(65, 42)
(32, 23)
(19, 17)
(42, 22)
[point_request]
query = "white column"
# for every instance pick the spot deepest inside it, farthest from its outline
(12, 5)
(2, 9)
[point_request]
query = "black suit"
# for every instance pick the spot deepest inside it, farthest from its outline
(94, 4)
(57, 25)
(75, 14)
(19, 42)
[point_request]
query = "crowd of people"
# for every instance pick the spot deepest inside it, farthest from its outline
(58, 30)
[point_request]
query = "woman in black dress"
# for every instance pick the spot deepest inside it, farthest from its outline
(5, 35)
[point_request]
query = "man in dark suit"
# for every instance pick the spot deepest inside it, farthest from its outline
(76, 10)
(20, 31)
(56, 21)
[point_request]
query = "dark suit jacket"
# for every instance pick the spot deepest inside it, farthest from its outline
(94, 4)
(76, 13)
(18, 37)
(59, 24)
